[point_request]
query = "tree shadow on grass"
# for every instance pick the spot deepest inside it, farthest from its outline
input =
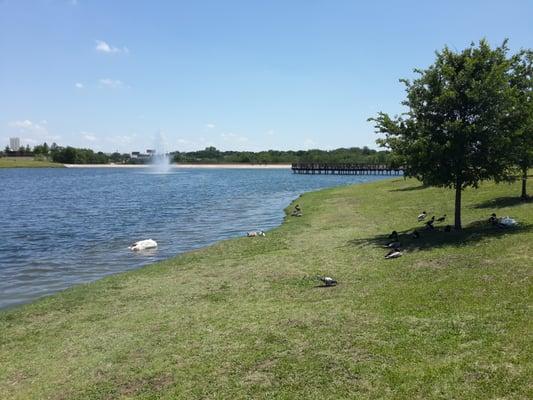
(471, 234)
(502, 202)
(409, 188)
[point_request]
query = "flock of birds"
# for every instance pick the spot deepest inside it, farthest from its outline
(394, 246)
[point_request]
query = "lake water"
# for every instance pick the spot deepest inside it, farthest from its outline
(62, 227)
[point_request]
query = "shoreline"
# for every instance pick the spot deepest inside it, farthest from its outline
(185, 166)
(254, 306)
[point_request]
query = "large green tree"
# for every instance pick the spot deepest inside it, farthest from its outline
(457, 130)
(522, 80)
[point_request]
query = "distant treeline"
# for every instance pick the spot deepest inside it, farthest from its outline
(342, 155)
(211, 155)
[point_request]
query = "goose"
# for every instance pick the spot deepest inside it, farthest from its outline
(429, 224)
(297, 208)
(143, 245)
(255, 233)
(422, 216)
(328, 281)
(441, 219)
(394, 253)
(393, 245)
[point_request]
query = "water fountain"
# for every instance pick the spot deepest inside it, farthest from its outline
(160, 159)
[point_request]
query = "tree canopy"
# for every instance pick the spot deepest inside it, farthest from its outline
(460, 120)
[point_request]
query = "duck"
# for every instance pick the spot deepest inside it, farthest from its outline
(255, 233)
(327, 280)
(143, 245)
(422, 216)
(442, 219)
(393, 245)
(394, 253)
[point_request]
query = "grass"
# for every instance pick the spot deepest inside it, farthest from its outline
(24, 162)
(245, 319)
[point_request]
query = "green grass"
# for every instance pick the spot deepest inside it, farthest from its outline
(24, 162)
(245, 319)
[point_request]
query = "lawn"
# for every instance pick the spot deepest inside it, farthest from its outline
(245, 318)
(25, 162)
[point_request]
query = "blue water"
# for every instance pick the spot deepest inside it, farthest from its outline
(62, 227)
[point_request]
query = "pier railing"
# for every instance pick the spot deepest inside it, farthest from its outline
(345, 169)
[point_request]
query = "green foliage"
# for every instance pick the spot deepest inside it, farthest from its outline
(71, 155)
(342, 155)
(458, 130)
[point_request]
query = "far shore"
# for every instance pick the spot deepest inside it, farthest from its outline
(205, 166)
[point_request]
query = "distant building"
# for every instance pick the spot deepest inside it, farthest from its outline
(150, 152)
(135, 154)
(14, 143)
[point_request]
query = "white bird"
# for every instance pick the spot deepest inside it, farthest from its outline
(328, 281)
(255, 233)
(143, 245)
(422, 216)
(394, 254)
(393, 245)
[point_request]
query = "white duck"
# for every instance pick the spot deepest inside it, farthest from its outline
(143, 245)
(255, 233)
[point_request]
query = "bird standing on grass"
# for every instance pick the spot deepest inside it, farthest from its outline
(328, 281)
(422, 216)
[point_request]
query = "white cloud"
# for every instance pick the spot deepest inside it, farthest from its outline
(32, 132)
(79, 85)
(104, 47)
(111, 83)
(89, 137)
(122, 139)
(309, 144)
(210, 126)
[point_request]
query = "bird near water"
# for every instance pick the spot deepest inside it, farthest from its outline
(143, 245)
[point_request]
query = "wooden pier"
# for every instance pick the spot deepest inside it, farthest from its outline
(345, 169)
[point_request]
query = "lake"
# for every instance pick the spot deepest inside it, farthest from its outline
(62, 227)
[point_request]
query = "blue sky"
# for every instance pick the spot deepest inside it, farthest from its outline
(244, 75)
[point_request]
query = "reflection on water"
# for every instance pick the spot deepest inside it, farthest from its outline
(66, 226)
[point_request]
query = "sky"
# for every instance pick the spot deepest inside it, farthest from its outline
(237, 75)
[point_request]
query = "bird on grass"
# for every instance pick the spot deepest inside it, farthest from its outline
(442, 219)
(393, 253)
(328, 281)
(422, 216)
(429, 224)
(393, 245)
(255, 233)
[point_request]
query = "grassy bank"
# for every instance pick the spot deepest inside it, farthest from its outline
(245, 318)
(14, 162)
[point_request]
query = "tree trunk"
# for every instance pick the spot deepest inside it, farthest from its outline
(458, 191)
(524, 183)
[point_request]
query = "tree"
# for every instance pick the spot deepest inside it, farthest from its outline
(458, 127)
(522, 80)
